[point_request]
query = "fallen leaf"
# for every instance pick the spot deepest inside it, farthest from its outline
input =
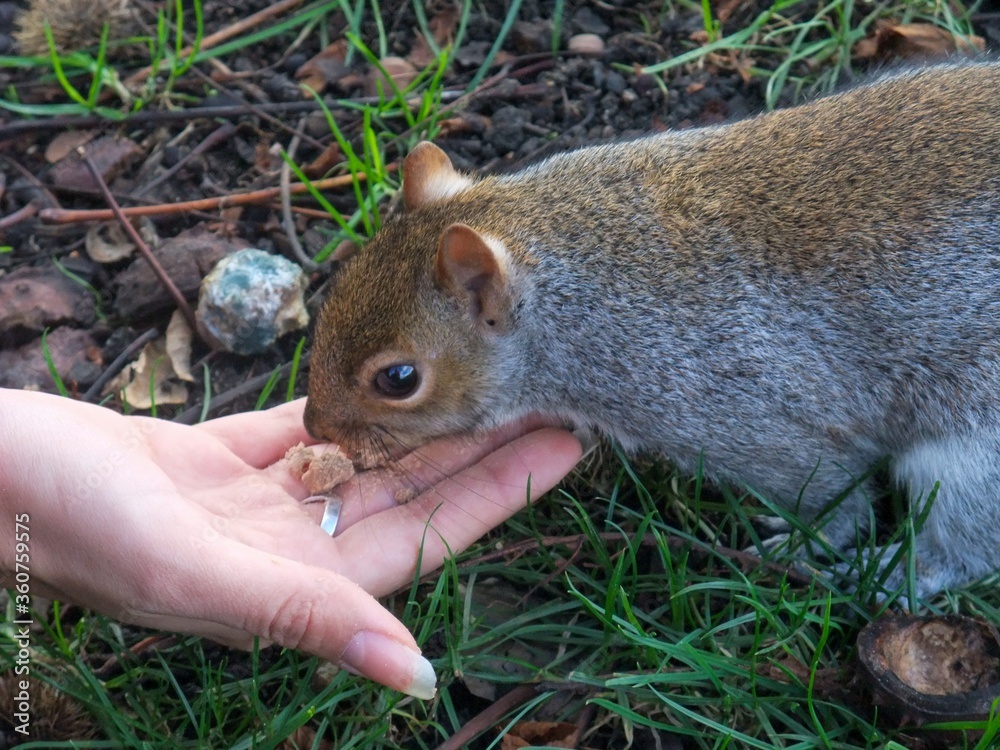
(265, 156)
(325, 162)
(111, 155)
(63, 144)
(178, 346)
(442, 27)
(699, 36)
(326, 67)
(724, 9)
(150, 379)
(400, 71)
(543, 733)
(107, 242)
(28, 368)
(34, 298)
(914, 41)
(463, 122)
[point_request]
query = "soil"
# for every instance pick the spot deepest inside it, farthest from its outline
(535, 104)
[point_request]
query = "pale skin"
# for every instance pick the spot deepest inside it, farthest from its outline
(202, 529)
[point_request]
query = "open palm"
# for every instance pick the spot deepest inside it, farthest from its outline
(203, 530)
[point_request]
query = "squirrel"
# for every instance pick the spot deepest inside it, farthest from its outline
(780, 302)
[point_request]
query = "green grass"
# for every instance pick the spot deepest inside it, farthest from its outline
(619, 597)
(626, 599)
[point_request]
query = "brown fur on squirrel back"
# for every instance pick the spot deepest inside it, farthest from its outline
(787, 299)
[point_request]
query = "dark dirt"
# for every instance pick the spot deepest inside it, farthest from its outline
(537, 104)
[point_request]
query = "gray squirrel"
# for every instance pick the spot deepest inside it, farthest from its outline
(788, 299)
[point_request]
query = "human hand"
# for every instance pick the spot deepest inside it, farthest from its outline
(202, 529)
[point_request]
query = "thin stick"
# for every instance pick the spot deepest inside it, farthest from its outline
(224, 131)
(489, 716)
(71, 216)
(116, 211)
(119, 364)
(222, 35)
(287, 221)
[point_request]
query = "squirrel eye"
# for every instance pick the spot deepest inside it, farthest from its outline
(397, 381)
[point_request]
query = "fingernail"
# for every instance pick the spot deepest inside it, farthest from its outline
(381, 658)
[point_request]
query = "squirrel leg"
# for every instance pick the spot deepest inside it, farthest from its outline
(825, 529)
(958, 541)
(960, 477)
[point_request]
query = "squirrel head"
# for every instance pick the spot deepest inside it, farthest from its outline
(415, 338)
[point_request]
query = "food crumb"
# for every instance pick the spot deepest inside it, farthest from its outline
(404, 495)
(319, 472)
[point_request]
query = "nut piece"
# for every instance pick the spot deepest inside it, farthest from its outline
(319, 472)
(404, 495)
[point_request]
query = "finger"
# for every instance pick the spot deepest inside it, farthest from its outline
(381, 552)
(372, 492)
(261, 438)
(303, 607)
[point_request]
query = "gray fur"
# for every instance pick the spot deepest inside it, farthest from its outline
(790, 299)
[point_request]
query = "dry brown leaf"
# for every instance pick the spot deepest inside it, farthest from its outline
(724, 9)
(63, 144)
(151, 378)
(265, 156)
(326, 67)
(110, 154)
(463, 122)
(914, 41)
(699, 36)
(325, 162)
(544, 733)
(399, 70)
(178, 346)
(108, 243)
(442, 27)
(304, 738)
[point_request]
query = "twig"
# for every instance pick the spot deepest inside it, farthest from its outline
(118, 364)
(152, 641)
(221, 133)
(675, 543)
(24, 212)
(116, 210)
(190, 416)
(257, 110)
(71, 216)
(287, 220)
(488, 717)
(222, 35)
(146, 117)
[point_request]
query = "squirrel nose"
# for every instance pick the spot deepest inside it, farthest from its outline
(313, 419)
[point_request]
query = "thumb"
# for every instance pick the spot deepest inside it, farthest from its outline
(297, 606)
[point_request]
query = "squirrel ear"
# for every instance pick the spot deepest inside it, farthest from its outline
(472, 266)
(428, 176)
